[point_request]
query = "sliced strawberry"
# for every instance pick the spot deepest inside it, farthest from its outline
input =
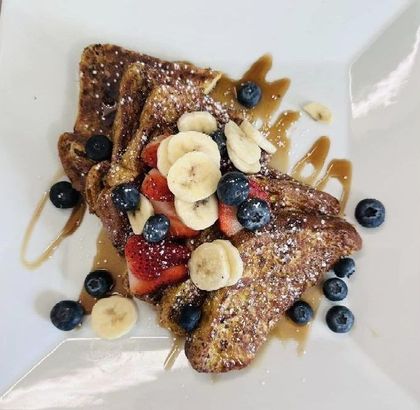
(170, 276)
(148, 260)
(177, 229)
(155, 186)
(256, 191)
(228, 222)
(149, 152)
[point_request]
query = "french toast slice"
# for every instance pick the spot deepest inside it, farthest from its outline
(101, 68)
(280, 262)
(285, 193)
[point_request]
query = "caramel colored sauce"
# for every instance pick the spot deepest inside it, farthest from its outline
(272, 92)
(340, 169)
(71, 225)
(277, 134)
(109, 259)
(176, 349)
(288, 330)
(316, 157)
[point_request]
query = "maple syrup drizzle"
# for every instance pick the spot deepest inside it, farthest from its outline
(272, 92)
(70, 227)
(287, 330)
(340, 169)
(176, 349)
(316, 157)
(109, 259)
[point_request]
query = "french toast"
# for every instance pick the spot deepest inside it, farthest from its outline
(135, 99)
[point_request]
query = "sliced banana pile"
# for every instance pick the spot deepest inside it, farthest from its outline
(244, 146)
(139, 217)
(214, 265)
(191, 162)
(113, 317)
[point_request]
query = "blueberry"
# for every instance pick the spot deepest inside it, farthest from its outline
(219, 138)
(66, 315)
(335, 289)
(98, 283)
(233, 188)
(63, 195)
(300, 312)
(98, 148)
(345, 267)
(370, 213)
(340, 319)
(253, 213)
(190, 317)
(126, 197)
(249, 94)
(156, 228)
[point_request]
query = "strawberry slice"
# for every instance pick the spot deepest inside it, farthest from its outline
(155, 186)
(256, 191)
(147, 260)
(149, 152)
(170, 276)
(228, 222)
(177, 228)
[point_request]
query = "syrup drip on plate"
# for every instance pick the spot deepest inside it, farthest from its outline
(109, 259)
(176, 349)
(70, 227)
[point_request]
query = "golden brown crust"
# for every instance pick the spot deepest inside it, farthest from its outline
(281, 261)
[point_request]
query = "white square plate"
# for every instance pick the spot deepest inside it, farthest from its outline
(360, 58)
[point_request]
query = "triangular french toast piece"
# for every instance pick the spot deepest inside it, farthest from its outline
(282, 260)
(101, 69)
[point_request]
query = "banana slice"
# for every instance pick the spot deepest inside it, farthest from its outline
(319, 112)
(209, 266)
(251, 132)
(113, 317)
(235, 261)
(191, 141)
(198, 215)
(201, 121)
(193, 177)
(163, 162)
(242, 165)
(244, 147)
(139, 217)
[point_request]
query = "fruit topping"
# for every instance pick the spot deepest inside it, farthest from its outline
(200, 121)
(163, 163)
(370, 213)
(345, 267)
(113, 317)
(155, 186)
(220, 139)
(140, 215)
(177, 228)
(228, 222)
(254, 213)
(149, 152)
(235, 261)
(126, 197)
(241, 145)
(63, 195)
(251, 132)
(256, 191)
(233, 188)
(300, 312)
(66, 315)
(98, 283)
(189, 317)
(249, 94)
(335, 289)
(156, 228)
(147, 260)
(193, 177)
(340, 319)
(98, 148)
(318, 112)
(198, 215)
